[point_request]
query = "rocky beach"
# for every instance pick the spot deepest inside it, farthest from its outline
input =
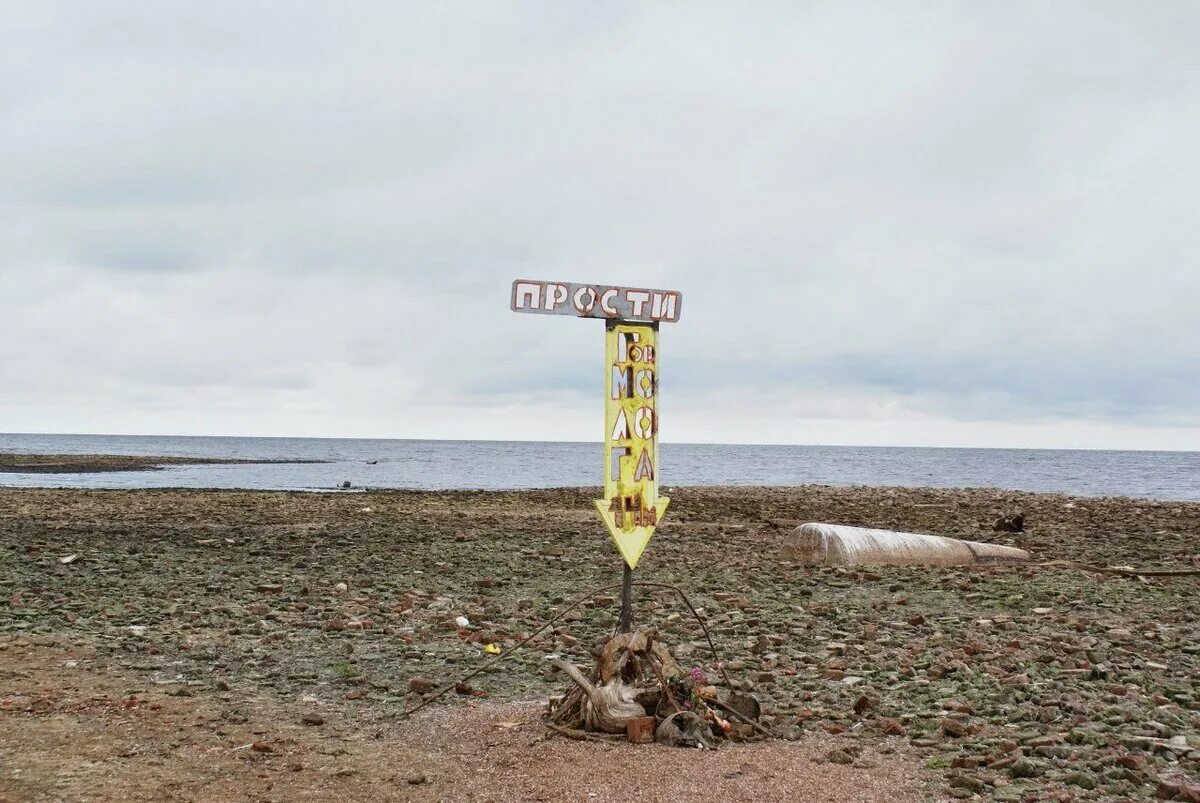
(176, 644)
(15, 463)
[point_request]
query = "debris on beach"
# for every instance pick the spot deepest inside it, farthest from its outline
(1014, 523)
(1099, 690)
(639, 690)
(839, 545)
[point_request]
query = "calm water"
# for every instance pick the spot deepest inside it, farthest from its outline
(497, 464)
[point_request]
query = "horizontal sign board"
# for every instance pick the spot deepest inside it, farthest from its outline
(596, 301)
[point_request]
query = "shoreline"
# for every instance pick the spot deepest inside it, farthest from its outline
(252, 464)
(592, 490)
(19, 463)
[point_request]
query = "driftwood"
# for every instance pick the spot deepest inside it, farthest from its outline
(633, 664)
(609, 707)
(662, 666)
(579, 736)
(636, 687)
(619, 650)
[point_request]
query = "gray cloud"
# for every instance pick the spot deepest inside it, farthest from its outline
(967, 224)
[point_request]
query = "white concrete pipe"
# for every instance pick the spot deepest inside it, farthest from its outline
(838, 545)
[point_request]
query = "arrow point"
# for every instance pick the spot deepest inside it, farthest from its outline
(633, 542)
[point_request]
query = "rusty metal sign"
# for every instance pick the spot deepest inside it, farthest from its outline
(596, 301)
(631, 507)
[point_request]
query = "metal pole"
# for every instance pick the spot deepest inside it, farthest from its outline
(626, 622)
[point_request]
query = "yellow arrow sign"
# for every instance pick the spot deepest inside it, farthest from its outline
(631, 507)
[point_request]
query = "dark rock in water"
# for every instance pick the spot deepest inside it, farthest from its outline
(346, 485)
(1010, 524)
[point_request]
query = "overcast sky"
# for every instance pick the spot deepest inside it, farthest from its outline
(968, 224)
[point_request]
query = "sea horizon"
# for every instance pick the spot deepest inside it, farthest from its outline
(599, 440)
(420, 463)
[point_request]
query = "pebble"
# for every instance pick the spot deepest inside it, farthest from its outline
(1177, 790)
(952, 727)
(420, 685)
(1026, 768)
(1081, 779)
(864, 703)
(968, 782)
(839, 757)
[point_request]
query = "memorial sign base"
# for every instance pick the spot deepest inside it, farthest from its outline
(637, 691)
